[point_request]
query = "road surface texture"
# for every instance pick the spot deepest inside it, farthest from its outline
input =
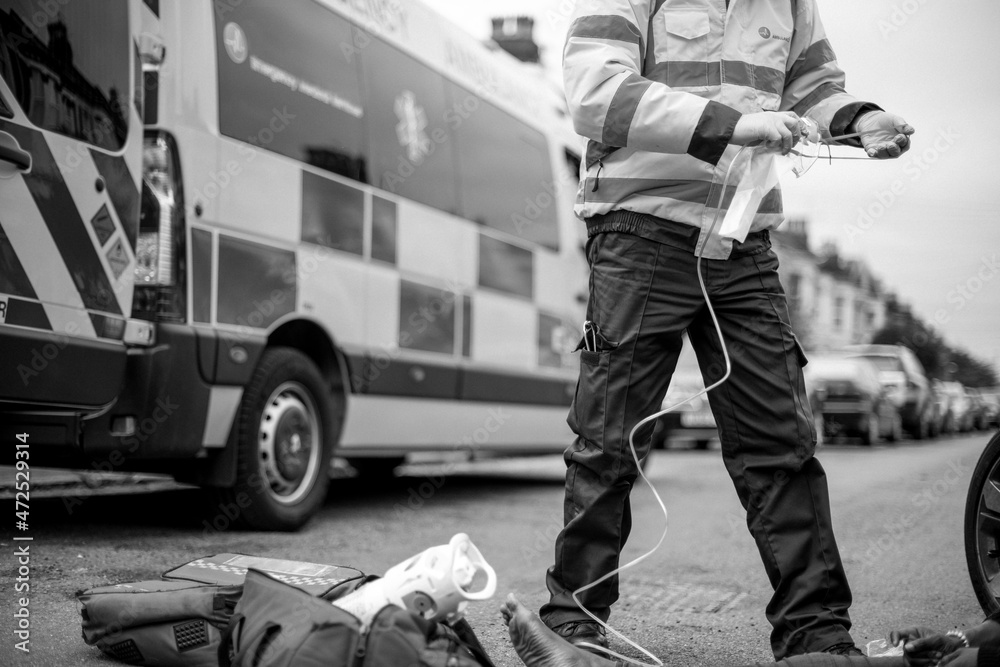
(698, 601)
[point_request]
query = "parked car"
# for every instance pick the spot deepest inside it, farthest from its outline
(980, 410)
(943, 418)
(851, 398)
(961, 406)
(901, 373)
(692, 422)
(992, 410)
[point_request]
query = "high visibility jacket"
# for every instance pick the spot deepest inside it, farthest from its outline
(657, 86)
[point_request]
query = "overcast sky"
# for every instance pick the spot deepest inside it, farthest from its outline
(928, 223)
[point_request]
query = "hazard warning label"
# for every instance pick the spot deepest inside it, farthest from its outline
(117, 259)
(103, 225)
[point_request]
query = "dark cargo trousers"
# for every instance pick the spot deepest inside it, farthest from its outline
(643, 296)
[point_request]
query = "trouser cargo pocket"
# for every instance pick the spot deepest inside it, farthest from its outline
(587, 417)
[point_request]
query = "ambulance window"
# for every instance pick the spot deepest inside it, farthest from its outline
(466, 325)
(288, 82)
(384, 230)
(506, 267)
(68, 66)
(333, 214)
(426, 318)
(257, 283)
(505, 173)
(408, 126)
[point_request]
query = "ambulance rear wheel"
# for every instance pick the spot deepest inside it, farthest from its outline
(285, 443)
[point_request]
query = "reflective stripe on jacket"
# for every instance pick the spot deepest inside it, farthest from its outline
(657, 86)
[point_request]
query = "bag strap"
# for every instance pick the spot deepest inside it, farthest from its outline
(465, 634)
(226, 649)
(271, 631)
(267, 635)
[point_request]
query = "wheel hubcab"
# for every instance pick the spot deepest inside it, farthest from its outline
(289, 443)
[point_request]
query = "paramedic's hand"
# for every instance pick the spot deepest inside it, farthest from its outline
(884, 135)
(966, 657)
(909, 634)
(776, 129)
(928, 651)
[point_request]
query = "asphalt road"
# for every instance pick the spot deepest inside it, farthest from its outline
(698, 601)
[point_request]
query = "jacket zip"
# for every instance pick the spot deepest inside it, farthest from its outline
(597, 178)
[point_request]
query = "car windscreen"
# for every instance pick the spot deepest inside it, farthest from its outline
(833, 369)
(68, 66)
(885, 363)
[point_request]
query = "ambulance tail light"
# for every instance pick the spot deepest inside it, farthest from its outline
(160, 266)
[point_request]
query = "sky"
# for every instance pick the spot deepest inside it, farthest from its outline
(927, 224)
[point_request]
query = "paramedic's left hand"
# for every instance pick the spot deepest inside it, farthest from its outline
(928, 651)
(966, 657)
(884, 135)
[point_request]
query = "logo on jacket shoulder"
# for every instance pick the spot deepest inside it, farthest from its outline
(765, 32)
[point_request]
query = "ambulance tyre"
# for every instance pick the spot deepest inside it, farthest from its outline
(285, 443)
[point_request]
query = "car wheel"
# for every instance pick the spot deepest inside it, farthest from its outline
(820, 425)
(935, 429)
(702, 443)
(285, 442)
(982, 528)
(923, 429)
(661, 434)
(869, 434)
(896, 430)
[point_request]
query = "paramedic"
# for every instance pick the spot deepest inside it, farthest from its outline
(666, 91)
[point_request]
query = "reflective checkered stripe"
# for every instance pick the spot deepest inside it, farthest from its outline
(292, 579)
(439, 308)
(67, 226)
(659, 85)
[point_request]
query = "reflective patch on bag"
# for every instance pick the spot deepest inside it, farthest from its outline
(126, 651)
(191, 635)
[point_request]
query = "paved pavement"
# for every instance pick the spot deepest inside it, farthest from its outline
(54, 483)
(697, 601)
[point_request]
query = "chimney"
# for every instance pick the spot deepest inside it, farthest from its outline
(514, 34)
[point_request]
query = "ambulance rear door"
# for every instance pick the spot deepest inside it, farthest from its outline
(70, 162)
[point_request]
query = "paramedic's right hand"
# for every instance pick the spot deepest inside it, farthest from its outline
(909, 634)
(776, 129)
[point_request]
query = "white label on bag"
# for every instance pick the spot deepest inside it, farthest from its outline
(281, 566)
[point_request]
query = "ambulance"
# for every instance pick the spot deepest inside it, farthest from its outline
(241, 238)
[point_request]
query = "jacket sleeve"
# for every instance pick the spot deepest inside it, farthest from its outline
(814, 83)
(612, 103)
